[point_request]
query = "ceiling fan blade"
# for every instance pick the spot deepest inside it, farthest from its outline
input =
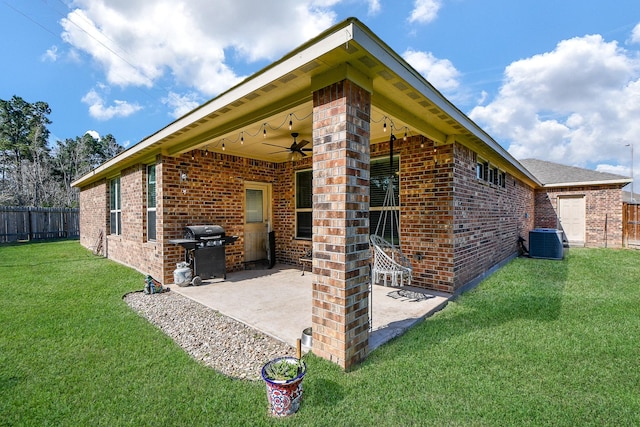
(302, 143)
(274, 145)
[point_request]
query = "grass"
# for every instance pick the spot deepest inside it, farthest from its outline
(541, 342)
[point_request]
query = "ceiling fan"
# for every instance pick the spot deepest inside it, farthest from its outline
(296, 148)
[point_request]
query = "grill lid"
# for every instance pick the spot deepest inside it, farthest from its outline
(204, 232)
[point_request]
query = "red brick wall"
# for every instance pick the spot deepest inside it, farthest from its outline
(445, 255)
(455, 227)
(213, 193)
(288, 249)
(488, 218)
(426, 200)
(603, 212)
(94, 215)
(131, 246)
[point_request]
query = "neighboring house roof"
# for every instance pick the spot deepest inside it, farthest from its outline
(558, 175)
(283, 90)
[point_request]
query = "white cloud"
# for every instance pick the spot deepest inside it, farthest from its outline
(181, 104)
(374, 7)
(617, 169)
(425, 11)
(51, 54)
(439, 72)
(577, 104)
(483, 97)
(94, 134)
(98, 109)
(137, 42)
(635, 34)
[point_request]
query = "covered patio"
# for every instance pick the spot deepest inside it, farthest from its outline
(303, 149)
(278, 302)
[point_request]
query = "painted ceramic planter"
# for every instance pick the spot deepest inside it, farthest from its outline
(284, 396)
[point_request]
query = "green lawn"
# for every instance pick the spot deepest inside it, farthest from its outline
(541, 342)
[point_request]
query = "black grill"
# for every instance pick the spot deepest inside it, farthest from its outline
(204, 250)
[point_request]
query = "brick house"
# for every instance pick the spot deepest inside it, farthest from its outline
(462, 199)
(585, 204)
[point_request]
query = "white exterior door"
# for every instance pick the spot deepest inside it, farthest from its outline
(571, 214)
(256, 220)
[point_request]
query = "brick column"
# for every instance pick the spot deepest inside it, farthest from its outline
(341, 151)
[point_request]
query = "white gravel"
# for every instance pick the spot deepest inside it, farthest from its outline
(218, 341)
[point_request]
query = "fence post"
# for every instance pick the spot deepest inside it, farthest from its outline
(29, 224)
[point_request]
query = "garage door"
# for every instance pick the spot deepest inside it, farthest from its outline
(571, 214)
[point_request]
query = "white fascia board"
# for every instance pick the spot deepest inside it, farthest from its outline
(399, 66)
(624, 181)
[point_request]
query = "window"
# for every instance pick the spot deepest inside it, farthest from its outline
(382, 175)
(502, 179)
(494, 176)
(151, 202)
(254, 211)
(304, 204)
(115, 217)
(489, 173)
(480, 169)
(483, 171)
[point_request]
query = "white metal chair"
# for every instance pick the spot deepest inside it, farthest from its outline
(389, 263)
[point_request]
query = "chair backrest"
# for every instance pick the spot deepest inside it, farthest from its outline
(391, 251)
(387, 256)
(382, 261)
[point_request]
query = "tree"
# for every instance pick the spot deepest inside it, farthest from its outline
(23, 146)
(73, 158)
(31, 172)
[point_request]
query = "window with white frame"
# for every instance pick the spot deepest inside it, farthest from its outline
(151, 202)
(304, 204)
(115, 211)
(481, 169)
(382, 174)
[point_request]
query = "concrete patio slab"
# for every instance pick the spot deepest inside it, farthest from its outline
(277, 302)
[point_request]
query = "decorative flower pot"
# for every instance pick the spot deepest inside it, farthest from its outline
(284, 395)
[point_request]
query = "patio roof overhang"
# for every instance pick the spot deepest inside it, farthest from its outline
(235, 121)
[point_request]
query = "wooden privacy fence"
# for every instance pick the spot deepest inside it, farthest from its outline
(28, 223)
(631, 225)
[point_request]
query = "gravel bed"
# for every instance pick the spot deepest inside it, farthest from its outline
(218, 341)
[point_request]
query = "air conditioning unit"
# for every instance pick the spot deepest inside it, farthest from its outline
(546, 243)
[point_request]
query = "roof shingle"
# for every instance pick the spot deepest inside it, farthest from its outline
(550, 173)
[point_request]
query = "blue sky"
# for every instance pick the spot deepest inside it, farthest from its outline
(554, 80)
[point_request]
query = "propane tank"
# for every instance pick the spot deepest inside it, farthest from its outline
(182, 274)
